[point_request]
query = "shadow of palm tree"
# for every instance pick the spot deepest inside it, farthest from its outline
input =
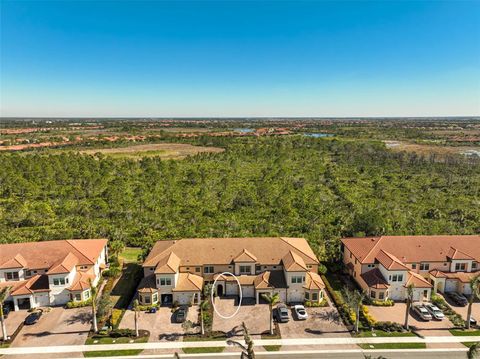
(171, 337)
(328, 315)
(83, 317)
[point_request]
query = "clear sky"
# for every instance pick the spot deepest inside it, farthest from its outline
(387, 58)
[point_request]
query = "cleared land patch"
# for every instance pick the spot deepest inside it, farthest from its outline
(162, 150)
(428, 149)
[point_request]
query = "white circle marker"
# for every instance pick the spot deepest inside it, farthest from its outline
(239, 288)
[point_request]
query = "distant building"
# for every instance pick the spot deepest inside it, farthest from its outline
(52, 272)
(384, 266)
(176, 271)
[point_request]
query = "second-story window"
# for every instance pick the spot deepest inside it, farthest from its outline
(208, 269)
(258, 268)
(298, 279)
(460, 266)
(165, 281)
(245, 269)
(474, 265)
(58, 281)
(28, 273)
(414, 266)
(397, 278)
(11, 275)
(424, 266)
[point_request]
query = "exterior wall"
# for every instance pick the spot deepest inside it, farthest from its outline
(238, 264)
(282, 292)
(148, 271)
(216, 269)
(310, 294)
(153, 298)
(366, 267)
(59, 294)
(295, 291)
(468, 264)
(41, 299)
(397, 289)
(166, 289)
(350, 258)
(248, 291)
(21, 274)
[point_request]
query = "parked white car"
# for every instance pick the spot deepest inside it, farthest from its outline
(434, 311)
(300, 312)
(422, 312)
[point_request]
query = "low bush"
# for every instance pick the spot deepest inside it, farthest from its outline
(389, 326)
(116, 317)
(145, 308)
(454, 317)
(322, 303)
(366, 319)
(344, 310)
(383, 303)
(81, 304)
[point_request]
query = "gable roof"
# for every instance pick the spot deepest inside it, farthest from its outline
(389, 261)
(454, 253)
(313, 281)
(188, 282)
(44, 255)
(64, 265)
(292, 262)
(270, 280)
(168, 264)
(223, 251)
(413, 249)
(16, 262)
(417, 281)
(37, 283)
(82, 280)
(374, 279)
(245, 256)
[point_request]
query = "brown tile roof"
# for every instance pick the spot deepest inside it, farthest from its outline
(292, 262)
(64, 265)
(37, 283)
(374, 279)
(16, 262)
(437, 273)
(463, 277)
(417, 280)
(413, 249)
(168, 264)
(243, 279)
(147, 284)
(389, 261)
(270, 280)
(188, 282)
(82, 281)
(216, 251)
(43, 255)
(313, 281)
(454, 253)
(245, 256)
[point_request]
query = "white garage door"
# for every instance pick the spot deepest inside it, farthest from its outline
(62, 298)
(42, 300)
(232, 288)
(283, 296)
(247, 291)
(450, 285)
(183, 298)
(295, 296)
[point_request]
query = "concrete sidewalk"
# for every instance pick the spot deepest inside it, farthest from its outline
(258, 342)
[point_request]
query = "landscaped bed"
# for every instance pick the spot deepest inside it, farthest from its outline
(465, 333)
(393, 346)
(215, 336)
(116, 337)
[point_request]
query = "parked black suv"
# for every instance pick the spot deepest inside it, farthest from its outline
(457, 298)
(181, 314)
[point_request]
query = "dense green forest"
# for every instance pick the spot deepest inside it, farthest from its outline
(321, 189)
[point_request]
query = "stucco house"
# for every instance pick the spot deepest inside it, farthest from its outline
(51, 273)
(385, 266)
(176, 271)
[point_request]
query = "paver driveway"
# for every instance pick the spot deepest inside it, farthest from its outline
(161, 324)
(255, 316)
(13, 321)
(59, 326)
(463, 310)
(321, 322)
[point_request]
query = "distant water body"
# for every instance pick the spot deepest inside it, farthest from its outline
(244, 130)
(318, 135)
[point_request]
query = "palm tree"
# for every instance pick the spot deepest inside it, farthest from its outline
(474, 351)
(355, 299)
(203, 307)
(136, 308)
(247, 350)
(409, 304)
(272, 299)
(475, 288)
(4, 292)
(93, 295)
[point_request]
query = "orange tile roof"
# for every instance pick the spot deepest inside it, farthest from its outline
(270, 280)
(188, 282)
(374, 279)
(463, 277)
(389, 261)
(313, 281)
(292, 262)
(37, 283)
(417, 280)
(82, 281)
(16, 262)
(168, 264)
(243, 279)
(218, 251)
(43, 255)
(437, 273)
(454, 253)
(64, 265)
(245, 256)
(413, 249)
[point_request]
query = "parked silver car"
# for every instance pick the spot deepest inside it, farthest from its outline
(422, 312)
(434, 311)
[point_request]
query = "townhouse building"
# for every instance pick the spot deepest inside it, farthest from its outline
(177, 271)
(385, 266)
(51, 273)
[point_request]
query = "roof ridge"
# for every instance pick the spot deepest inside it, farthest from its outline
(69, 241)
(291, 245)
(374, 246)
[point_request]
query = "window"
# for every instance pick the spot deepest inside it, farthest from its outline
(397, 278)
(298, 279)
(314, 296)
(370, 265)
(83, 267)
(258, 268)
(147, 299)
(381, 296)
(78, 297)
(274, 267)
(424, 266)
(245, 269)
(373, 294)
(474, 265)
(307, 296)
(86, 294)
(28, 273)
(197, 269)
(165, 281)
(309, 266)
(188, 268)
(425, 294)
(155, 297)
(11, 275)
(208, 269)
(58, 281)
(414, 265)
(460, 266)
(355, 260)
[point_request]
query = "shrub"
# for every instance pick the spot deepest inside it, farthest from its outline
(117, 315)
(365, 317)
(322, 269)
(117, 333)
(389, 326)
(81, 304)
(144, 308)
(344, 310)
(454, 317)
(322, 303)
(383, 303)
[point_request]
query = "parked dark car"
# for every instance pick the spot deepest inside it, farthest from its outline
(6, 310)
(458, 299)
(281, 313)
(181, 314)
(33, 318)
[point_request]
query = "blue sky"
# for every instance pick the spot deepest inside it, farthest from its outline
(88, 58)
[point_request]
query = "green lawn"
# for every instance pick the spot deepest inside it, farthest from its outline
(110, 353)
(203, 350)
(381, 333)
(272, 348)
(198, 338)
(393, 346)
(465, 333)
(469, 344)
(130, 254)
(124, 289)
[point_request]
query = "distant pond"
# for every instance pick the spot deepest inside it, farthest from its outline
(244, 130)
(318, 135)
